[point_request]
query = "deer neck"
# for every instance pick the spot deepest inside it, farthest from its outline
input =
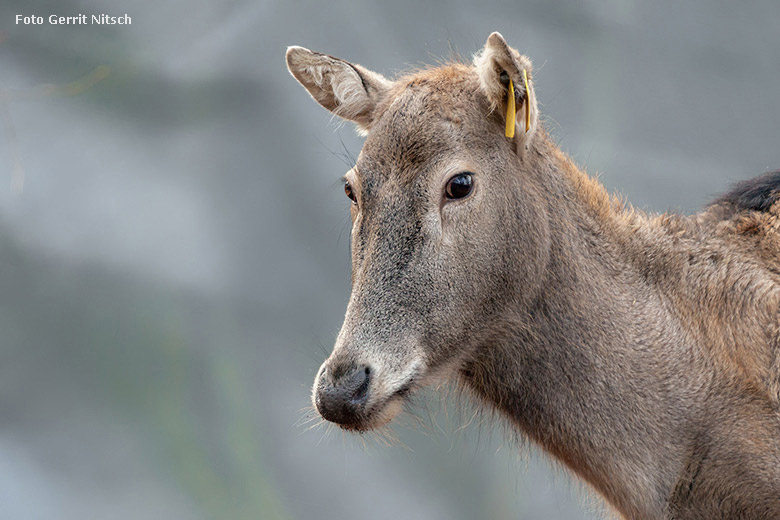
(583, 370)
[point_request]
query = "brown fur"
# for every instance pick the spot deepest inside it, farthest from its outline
(640, 350)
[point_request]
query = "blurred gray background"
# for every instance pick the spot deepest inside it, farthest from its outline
(174, 241)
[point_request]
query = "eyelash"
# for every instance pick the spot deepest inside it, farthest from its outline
(350, 192)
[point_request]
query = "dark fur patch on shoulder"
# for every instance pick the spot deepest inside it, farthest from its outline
(757, 194)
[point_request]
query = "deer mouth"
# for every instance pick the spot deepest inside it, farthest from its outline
(381, 412)
(404, 391)
(363, 396)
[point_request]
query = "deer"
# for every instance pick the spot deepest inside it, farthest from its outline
(640, 350)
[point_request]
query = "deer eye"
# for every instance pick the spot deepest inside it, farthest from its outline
(350, 193)
(459, 186)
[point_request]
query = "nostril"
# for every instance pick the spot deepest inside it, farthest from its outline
(361, 392)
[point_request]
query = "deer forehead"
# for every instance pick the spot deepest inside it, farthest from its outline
(428, 120)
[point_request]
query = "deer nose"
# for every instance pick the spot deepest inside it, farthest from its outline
(342, 393)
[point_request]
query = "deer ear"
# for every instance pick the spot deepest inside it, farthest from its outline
(496, 64)
(348, 90)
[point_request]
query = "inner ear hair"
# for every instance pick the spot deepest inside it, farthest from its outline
(346, 89)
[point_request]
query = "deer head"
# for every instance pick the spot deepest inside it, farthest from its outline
(449, 222)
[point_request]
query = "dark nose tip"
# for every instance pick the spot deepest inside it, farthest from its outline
(342, 393)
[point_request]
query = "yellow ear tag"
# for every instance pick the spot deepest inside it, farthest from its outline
(510, 111)
(527, 102)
